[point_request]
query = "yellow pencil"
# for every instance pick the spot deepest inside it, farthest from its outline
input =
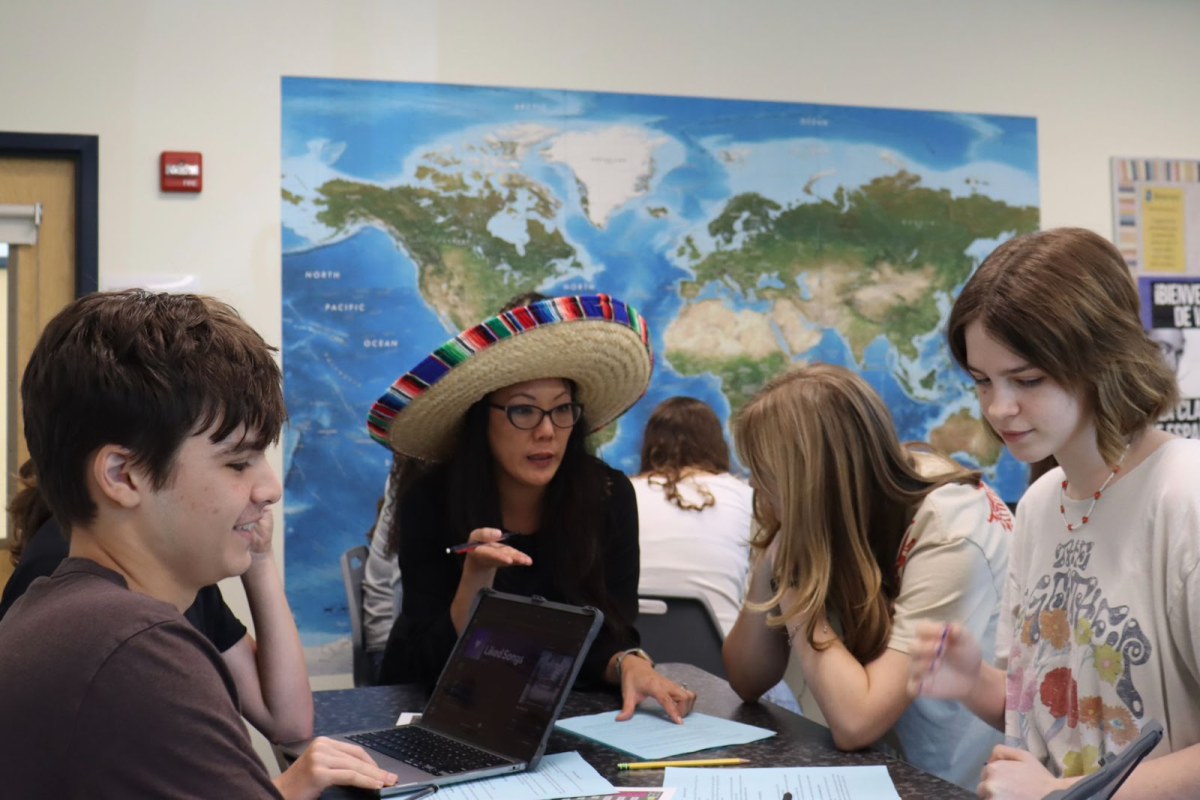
(698, 762)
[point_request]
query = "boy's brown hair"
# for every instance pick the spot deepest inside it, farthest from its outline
(143, 371)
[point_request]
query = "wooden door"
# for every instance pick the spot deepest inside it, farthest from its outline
(41, 280)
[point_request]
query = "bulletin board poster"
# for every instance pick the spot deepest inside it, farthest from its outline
(1156, 215)
(1171, 313)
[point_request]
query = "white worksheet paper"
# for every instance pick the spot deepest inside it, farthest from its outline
(556, 776)
(769, 783)
(651, 735)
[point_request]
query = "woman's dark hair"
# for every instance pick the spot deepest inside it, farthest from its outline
(574, 509)
(405, 472)
(27, 512)
(683, 433)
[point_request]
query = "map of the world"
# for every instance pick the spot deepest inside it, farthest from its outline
(752, 235)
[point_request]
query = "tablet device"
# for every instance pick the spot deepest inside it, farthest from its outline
(1104, 782)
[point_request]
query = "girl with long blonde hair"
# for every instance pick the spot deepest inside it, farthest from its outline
(860, 539)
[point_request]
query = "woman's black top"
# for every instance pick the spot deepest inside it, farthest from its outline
(423, 635)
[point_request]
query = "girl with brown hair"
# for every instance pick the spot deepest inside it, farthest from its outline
(1100, 631)
(693, 515)
(860, 539)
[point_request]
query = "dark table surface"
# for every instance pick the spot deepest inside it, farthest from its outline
(798, 741)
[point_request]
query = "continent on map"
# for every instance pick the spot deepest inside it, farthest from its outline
(466, 270)
(740, 346)
(878, 260)
(962, 432)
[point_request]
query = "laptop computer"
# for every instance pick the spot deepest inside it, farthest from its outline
(1104, 782)
(497, 699)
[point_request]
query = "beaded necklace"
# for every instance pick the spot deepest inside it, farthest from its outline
(1062, 502)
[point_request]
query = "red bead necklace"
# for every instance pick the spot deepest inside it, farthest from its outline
(1062, 502)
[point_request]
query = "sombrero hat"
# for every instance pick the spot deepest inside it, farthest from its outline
(596, 341)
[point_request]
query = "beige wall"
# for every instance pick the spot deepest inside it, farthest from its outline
(1103, 78)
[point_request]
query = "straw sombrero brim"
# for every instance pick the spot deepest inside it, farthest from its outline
(596, 341)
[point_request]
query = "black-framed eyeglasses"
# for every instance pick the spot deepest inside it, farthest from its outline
(527, 417)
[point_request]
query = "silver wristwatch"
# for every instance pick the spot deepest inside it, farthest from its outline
(635, 651)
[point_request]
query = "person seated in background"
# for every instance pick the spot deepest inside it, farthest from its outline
(505, 428)
(278, 704)
(147, 417)
(382, 590)
(859, 539)
(1101, 625)
(694, 517)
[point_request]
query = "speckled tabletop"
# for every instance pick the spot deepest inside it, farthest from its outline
(798, 741)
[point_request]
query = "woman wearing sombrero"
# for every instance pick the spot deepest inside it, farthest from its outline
(500, 413)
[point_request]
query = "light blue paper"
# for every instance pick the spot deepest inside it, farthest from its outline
(556, 776)
(650, 735)
(805, 783)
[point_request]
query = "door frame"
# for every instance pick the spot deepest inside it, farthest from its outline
(84, 151)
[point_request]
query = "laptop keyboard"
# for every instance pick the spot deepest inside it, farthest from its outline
(428, 751)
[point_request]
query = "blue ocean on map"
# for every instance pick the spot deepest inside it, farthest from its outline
(632, 188)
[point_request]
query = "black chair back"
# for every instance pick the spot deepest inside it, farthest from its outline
(680, 628)
(354, 562)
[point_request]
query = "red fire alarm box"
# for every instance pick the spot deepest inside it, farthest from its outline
(180, 172)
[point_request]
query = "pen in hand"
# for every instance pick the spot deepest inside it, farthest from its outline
(936, 656)
(466, 547)
(940, 648)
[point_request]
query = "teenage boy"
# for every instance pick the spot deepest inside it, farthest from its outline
(147, 417)
(269, 674)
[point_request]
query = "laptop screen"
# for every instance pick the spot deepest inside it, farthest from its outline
(501, 687)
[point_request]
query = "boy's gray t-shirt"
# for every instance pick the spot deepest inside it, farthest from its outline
(108, 693)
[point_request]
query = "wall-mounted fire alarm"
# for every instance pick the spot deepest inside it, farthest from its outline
(180, 172)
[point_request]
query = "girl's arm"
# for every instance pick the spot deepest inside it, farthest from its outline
(755, 655)
(270, 674)
(944, 578)
(860, 702)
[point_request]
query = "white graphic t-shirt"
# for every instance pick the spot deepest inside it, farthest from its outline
(1100, 627)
